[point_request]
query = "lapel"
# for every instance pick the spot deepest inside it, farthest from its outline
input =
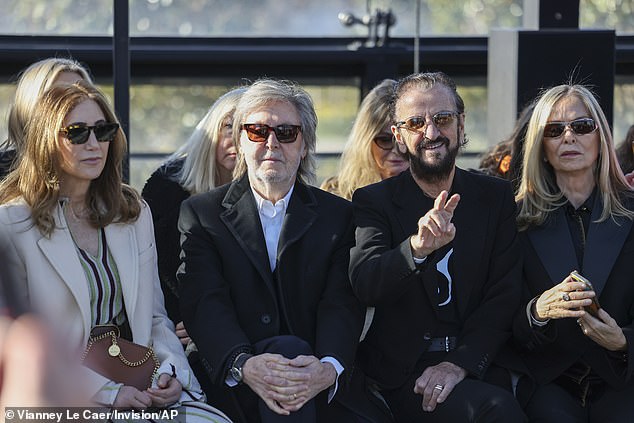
(473, 225)
(298, 219)
(122, 244)
(60, 252)
(243, 221)
(553, 244)
(603, 245)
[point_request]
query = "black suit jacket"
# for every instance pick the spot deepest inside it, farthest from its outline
(228, 297)
(383, 274)
(549, 257)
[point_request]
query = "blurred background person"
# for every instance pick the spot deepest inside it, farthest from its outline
(204, 162)
(32, 83)
(81, 246)
(575, 213)
(505, 158)
(625, 152)
(370, 154)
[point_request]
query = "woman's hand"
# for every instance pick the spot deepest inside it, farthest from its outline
(167, 392)
(604, 331)
(181, 332)
(566, 299)
(131, 398)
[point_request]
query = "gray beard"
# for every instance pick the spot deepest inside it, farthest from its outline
(436, 172)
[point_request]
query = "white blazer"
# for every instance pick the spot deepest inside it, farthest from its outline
(48, 275)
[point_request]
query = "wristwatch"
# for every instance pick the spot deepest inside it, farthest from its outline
(236, 367)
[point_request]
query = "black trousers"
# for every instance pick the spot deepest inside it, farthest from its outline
(472, 400)
(552, 403)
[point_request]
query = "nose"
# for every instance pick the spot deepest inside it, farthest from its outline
(569, 135)
(431, 131)
(92, 140)
(271, 141)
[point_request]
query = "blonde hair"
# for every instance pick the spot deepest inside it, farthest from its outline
(357, 167)
(200, 171)
(267, 91)
(32, 83)
(37, 175)
(538, 192)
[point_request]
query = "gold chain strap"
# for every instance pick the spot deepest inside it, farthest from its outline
(92, 340)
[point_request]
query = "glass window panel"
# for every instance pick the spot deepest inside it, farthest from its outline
(612, 14)
(58, 17)
(623, 107)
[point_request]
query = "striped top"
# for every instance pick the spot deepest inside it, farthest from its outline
(104, 284)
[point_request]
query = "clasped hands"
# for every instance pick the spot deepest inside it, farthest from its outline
(567, 299)
(435, 228)
(285, 384)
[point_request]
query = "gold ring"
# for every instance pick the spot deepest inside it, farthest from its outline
(439, 387)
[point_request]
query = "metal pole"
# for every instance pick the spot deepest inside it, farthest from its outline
(417, 39)
(121, 72)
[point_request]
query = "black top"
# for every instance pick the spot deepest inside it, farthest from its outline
(164, 195)
(7, 160)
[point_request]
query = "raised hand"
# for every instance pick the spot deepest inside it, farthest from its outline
(435, 228)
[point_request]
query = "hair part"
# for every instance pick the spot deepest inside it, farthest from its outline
(538, 192)
(357, 167)
(425, 81)
(36, 178)
(200, 171)
(31, 85)
(264, 92)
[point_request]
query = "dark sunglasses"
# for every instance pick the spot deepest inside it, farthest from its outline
(384, 142)
(259, 132)
(418, 124)
(78, 133)
(580, 126)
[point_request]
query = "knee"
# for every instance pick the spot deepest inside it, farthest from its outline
(503, 407)
(288, 345)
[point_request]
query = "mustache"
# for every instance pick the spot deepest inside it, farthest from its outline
(426, 142)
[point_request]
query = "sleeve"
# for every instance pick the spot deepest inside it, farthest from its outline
(165, 342)
(206, 303)
(340, 315)
(488, 327)
(379, 272)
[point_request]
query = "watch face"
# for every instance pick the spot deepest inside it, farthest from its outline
(236, 374)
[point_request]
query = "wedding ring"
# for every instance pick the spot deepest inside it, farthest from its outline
(439, 387)
(565, 297)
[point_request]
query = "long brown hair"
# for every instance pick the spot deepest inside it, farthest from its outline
(37, 175)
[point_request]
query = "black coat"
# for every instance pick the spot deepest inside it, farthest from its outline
(164, 196)
(549, 256)
(228, 296)
(486, 282)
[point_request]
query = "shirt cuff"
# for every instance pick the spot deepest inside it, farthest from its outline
(339, 369)
(108, 393)
(418, 261)
(532, 321)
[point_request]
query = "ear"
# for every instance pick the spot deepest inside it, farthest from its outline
(461, 119)
(400, 144)
(304, 150)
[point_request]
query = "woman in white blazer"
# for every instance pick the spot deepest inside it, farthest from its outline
(80, 245)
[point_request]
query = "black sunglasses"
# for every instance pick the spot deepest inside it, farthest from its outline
(78, 133)
(581, 126)
(418, 124)
(259, 132)
(384, 142)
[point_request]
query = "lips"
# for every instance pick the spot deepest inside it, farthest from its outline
(428, 144)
